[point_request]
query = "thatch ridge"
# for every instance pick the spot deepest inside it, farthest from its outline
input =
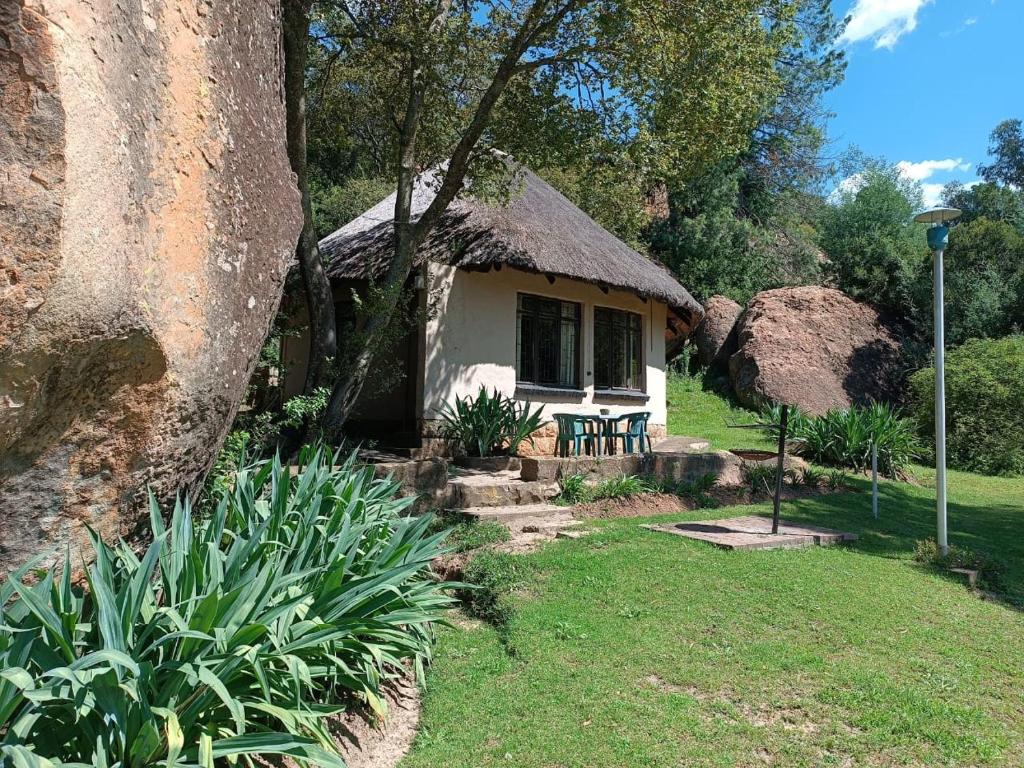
(538, 230)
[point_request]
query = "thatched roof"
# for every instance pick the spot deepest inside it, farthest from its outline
(538, 230)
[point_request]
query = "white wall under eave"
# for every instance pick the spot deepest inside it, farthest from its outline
(471, 339)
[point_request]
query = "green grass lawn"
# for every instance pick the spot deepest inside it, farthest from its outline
(694, 412)
(630, 648)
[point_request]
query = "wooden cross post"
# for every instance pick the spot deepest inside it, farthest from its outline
(783, 422)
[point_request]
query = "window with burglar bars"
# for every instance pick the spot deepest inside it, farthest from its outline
(548, 342)
(618, 349)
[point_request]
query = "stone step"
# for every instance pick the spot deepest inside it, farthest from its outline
(548, 525)
(515, 513)
(497, 490)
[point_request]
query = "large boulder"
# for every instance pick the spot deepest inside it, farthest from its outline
(148, 218)
(815, 348)
(715, 335)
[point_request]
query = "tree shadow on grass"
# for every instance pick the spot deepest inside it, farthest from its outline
(907, 515)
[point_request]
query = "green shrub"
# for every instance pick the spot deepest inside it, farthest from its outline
(991, 571)
(621, 487)
(842, 438)
(574, 490)
(490, 424)
(494, 577)
(812, 478)
(698, 491)
(230, 636)
(984, 406)
(835, 479)
(760, 477)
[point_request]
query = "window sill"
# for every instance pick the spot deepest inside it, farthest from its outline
(630, 395)
(526, 390)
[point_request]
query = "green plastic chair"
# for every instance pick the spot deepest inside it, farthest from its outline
(635, 434)
(573, 428)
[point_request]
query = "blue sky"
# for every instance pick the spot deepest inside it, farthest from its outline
(927, 81)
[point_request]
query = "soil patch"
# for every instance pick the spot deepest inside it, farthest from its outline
(363, 740)
(648, 504)
(642, 505)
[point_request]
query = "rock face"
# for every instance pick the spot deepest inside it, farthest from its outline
(715, 336)
(147, 218)
(815, 348)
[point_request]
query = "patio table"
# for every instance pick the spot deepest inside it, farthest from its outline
(606, 423)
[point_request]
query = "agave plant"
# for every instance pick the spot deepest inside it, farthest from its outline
(490, 424)
(227, 638)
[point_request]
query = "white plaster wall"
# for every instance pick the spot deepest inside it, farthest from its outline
(471, 339)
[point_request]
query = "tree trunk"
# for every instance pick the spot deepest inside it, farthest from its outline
(408, 235)
(323, 334)
(346, 392)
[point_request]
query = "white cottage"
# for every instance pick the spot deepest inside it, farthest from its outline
(532, 297)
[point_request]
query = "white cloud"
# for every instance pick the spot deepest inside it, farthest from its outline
(918, 172)
(931, 194)
(927, 168)
(884, 21)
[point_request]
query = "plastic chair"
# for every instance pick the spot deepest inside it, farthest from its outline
(573, 428)
(635, 434)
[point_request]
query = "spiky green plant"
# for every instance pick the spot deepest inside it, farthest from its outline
(843, 438)
(489, 424)
(229, 637)
(621, 487)
(574, 490)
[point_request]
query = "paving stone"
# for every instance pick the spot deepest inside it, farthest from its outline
(754, 532)
(511, 513)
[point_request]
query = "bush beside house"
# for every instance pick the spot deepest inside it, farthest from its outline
(984, 405)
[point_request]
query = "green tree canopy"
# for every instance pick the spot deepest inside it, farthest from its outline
(875, 253)
(1006, 146)
(671, 85)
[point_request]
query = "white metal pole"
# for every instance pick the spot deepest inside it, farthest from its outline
(874, 479)
(940, 406)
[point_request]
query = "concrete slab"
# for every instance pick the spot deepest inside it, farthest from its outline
(754, 532)
(678, 444)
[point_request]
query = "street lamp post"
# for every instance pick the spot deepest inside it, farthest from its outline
(938, 238)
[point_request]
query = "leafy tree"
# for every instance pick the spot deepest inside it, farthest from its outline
(335, 205)
(984, 282)
(987, 199)
(1006, 146)
(875, 253)
(674, 82)
(714, 249)
(742, 225)
(316, 286)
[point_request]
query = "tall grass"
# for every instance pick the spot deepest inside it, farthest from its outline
(229, 637)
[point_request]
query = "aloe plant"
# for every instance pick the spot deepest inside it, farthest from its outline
(489, 424)
(228, 637)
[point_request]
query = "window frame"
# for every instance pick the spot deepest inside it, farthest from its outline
(577, 321)
(641, 356)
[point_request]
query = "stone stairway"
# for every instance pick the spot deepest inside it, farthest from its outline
(522, 506)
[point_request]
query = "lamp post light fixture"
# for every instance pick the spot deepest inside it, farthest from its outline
(938, 238)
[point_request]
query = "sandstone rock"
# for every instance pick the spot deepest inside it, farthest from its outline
(148, 216)
(715, 336)
(815, 348)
